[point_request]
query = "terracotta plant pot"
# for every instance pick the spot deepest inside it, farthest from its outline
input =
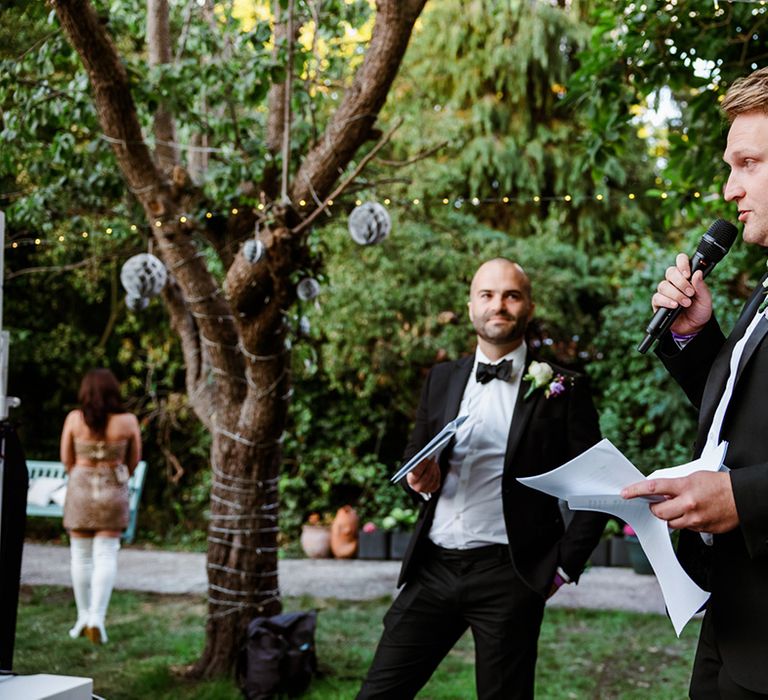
(316, 541)
(344, 533)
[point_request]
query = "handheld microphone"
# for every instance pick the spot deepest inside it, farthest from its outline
(713, 246)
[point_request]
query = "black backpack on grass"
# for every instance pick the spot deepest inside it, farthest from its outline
(278, 656)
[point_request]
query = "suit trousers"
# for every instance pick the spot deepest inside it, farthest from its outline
(451, 591)
(710, 679)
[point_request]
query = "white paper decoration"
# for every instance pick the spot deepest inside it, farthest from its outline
(304, 325)
(369, 223)
(307, 289)
(253, 250)
(143, 275)
(136, 303)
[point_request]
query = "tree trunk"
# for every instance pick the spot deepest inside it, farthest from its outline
(242, 534)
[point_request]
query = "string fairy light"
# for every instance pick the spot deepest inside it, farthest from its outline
(456, 202)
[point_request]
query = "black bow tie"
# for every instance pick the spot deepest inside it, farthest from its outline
(486, 372)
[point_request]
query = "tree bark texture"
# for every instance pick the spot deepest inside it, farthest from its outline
(234, 335)
(159, 46)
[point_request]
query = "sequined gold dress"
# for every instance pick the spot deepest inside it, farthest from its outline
(97, 496)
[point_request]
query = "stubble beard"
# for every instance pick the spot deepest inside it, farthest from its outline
(501, 335)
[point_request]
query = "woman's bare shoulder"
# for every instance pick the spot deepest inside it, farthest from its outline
(123, 421)
(74, 418)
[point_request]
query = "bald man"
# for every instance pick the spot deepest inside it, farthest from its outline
(487, 552)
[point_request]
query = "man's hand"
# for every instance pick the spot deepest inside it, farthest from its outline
(425, 477)
(702, 501)
(694, 296)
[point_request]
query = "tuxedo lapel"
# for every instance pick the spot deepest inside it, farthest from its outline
(520, 418)
(456, 385)
(718, 375)
(752, 344)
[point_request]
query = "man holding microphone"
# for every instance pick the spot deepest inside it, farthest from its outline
(724, 515)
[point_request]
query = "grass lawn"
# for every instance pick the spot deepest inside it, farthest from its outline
(581, 654)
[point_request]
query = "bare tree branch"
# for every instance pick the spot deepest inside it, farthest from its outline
(9, 275)
(348, 180)
(288, 93)
(419, 156)
(159, 45)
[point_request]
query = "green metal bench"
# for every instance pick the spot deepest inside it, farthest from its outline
(39, 468)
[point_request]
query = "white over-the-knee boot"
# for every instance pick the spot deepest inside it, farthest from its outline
(104, 571)
(81, 566)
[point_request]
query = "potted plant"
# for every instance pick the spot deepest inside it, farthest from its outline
(399, 522)
(373, 542)
(637, 557)
(316, 537)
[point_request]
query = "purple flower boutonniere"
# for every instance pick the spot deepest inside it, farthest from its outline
(542, 376)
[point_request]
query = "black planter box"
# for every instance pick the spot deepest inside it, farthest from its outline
(373, 545)
(601, 555)
(637, 557)
(619, 552)
(398, 543)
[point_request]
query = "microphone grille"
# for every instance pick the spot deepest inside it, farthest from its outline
(717, 241)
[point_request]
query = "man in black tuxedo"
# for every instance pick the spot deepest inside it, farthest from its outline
(727, 380)
(487, 551)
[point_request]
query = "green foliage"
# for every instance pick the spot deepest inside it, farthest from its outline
(498, 101)
(403, 517)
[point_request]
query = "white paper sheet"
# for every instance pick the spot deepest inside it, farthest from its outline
(432, 449)
(594, 480)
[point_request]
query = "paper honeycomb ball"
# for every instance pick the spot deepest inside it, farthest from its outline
(307, 289)
(253, 250)
(143, 275)
(369, 223)
(136, 303)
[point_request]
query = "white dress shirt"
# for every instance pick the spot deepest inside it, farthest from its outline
(469, 512)
(713, 436)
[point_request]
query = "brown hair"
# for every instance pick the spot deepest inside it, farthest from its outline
(748, 94)
(99, 396)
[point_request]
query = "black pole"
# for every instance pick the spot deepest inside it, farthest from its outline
(13, 522)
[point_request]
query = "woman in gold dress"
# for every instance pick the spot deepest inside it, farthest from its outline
(100, 448)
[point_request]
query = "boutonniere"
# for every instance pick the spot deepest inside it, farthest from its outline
(764, 302)
(542, 376)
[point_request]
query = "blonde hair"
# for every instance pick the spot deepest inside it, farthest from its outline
(748, 94)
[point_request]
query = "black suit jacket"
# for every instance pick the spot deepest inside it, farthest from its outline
(735, 568)
(544, 434)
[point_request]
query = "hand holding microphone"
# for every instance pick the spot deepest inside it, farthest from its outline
(682, 301)
(681, 289)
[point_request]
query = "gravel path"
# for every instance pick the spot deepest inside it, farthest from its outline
(600, 588)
